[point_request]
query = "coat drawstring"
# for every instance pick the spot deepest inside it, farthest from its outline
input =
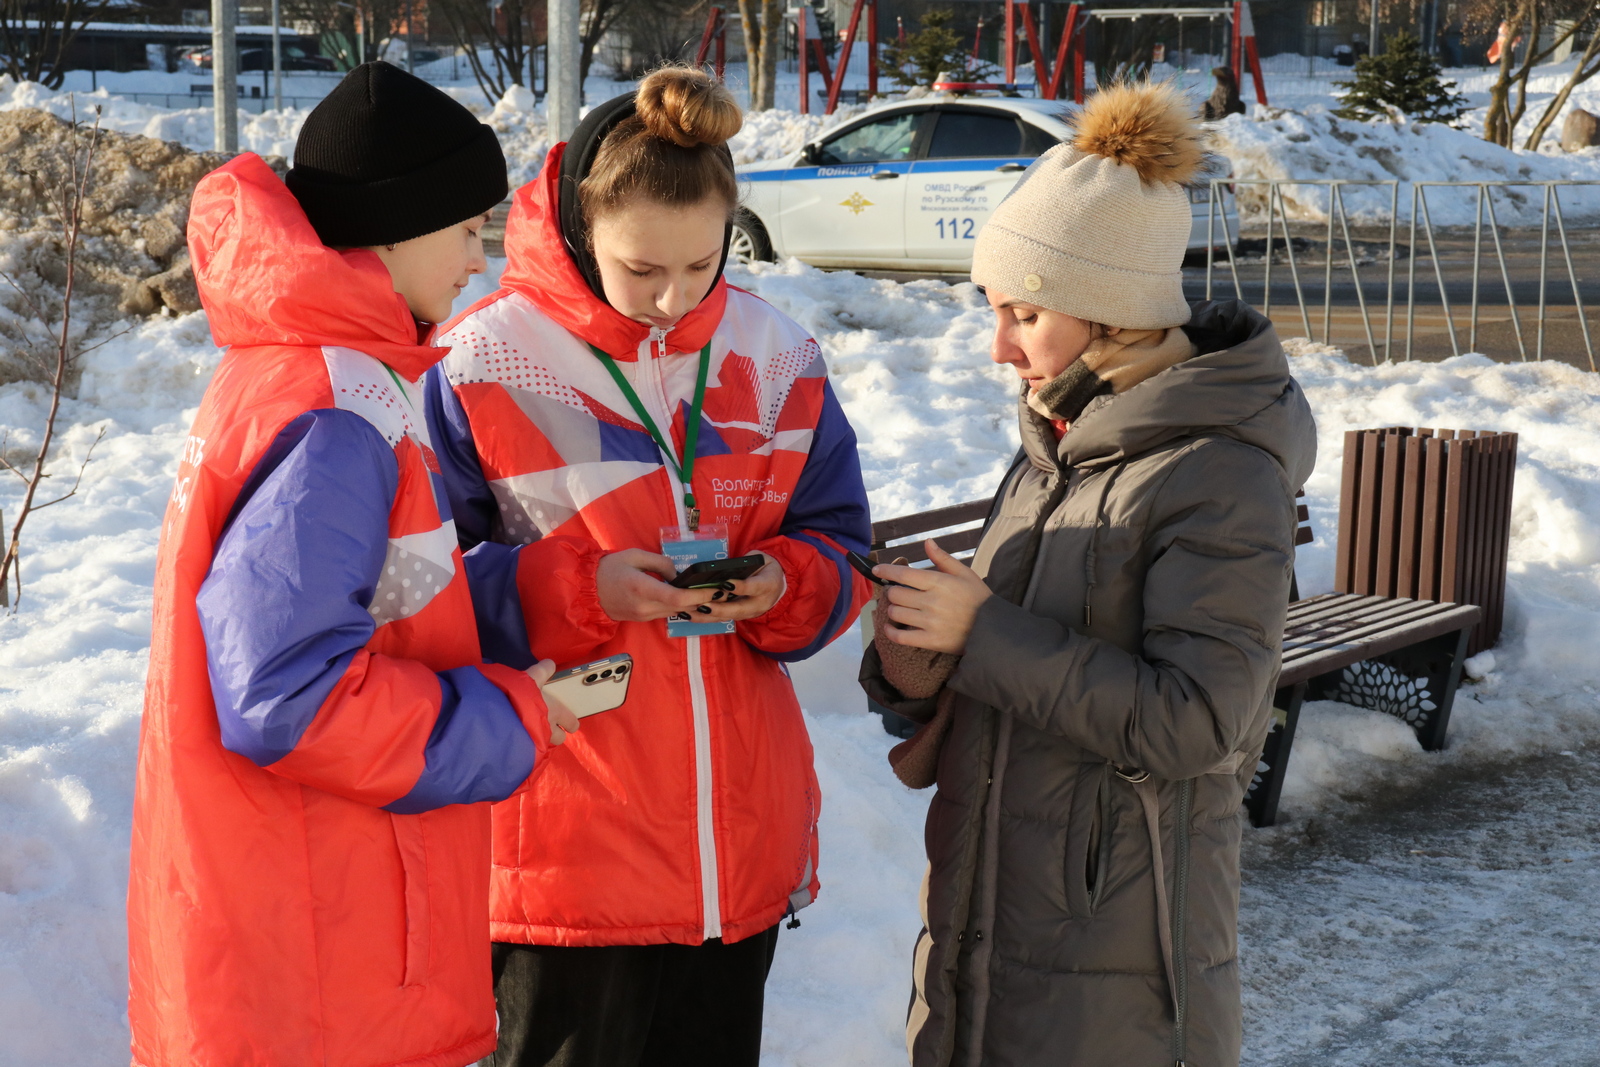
(1145, 787)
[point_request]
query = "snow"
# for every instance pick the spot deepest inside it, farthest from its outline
(1297, 137)
(1343, 949)
(1314, 144)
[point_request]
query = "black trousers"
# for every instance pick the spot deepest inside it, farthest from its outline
(632, 1005)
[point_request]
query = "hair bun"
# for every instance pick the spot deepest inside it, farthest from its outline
(687, 107)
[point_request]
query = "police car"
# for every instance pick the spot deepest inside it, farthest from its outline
(908, 185)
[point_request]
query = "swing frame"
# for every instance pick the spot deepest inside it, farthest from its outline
(1049, 81)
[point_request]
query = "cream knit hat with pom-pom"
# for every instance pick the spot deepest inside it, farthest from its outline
(1097, 228)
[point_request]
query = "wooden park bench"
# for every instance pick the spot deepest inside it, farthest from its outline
(1401, 655)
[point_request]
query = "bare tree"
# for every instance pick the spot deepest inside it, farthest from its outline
(506, 29)
(653, 32)
(36, 34)
(56, 353)
(341, 24)
(1525, 20)
(771, 48)
(1588, 66)
(597, 17)
(762, 23)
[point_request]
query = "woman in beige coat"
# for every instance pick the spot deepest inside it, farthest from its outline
(1108, 661)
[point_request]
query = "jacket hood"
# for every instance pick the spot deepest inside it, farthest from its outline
(1238, 386)
(540, 267)
(265, 278)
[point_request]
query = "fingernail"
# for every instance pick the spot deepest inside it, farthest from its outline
(682, 616)
(728, 586)
(704, 609)
(718, 595)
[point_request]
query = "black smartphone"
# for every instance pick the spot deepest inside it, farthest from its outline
(710, 573)
(864, 566)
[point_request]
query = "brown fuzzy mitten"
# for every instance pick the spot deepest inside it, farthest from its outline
(915, 761)
(916, 672)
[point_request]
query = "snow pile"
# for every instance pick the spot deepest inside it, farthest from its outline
(1278, 144)
(132, 258)
(516, 118)
(936, 425)
(778, 132)
(524, 136)
(271, 133)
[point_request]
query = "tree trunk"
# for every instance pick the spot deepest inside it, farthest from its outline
(1580, 74)
(750, 23)
(771, 39)
(1529, 58)
(602, 13)
(1495, 129)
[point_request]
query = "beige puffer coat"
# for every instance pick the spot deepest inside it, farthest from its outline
(1124, 668)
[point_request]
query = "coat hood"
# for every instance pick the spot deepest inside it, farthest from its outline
(539, 267)
(265, 278)
(1238, 386)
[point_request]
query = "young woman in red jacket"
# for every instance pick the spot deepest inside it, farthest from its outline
(309, 873)
(616, 386)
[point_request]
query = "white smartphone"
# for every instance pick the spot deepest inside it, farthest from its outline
(593, 687)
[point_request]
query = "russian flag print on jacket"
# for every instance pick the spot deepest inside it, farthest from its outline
(309, 875)
(690, 812)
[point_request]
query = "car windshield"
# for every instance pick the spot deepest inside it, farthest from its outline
(885, 141)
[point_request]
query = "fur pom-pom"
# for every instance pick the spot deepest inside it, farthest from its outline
(1151, 128)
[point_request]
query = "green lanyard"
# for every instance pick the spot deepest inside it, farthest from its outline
(691, 435)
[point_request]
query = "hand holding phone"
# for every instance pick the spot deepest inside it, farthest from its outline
(864, 566)
(591, 688)
(710, 573)
(633, 587)
(562, 722)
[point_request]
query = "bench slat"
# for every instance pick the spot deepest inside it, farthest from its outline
(1354, 637)
(954, 543)
(1327, 606)
(1333, 657)
(924, 522)
(1397, 613)
(1355, 626)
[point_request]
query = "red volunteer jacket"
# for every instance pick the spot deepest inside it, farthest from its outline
(310, 874)
(691, 811)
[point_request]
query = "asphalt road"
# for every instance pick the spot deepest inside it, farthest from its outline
(1506, 326)
(1452, 920)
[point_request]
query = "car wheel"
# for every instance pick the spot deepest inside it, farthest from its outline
(748, 242)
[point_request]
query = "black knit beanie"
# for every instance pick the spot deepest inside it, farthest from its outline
(387, 157)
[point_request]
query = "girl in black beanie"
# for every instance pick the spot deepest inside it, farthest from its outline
(309, 875)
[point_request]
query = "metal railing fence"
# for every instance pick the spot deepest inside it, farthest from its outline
(257, 104)
(1342, 252)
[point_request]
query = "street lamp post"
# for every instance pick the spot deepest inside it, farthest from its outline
(225, 74)
(277, 59)
(563, 50)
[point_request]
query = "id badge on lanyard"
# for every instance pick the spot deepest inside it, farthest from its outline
(685, 548)
(696, 541)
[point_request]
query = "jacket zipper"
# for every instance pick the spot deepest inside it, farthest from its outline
(1180, 920)
(705, 832)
